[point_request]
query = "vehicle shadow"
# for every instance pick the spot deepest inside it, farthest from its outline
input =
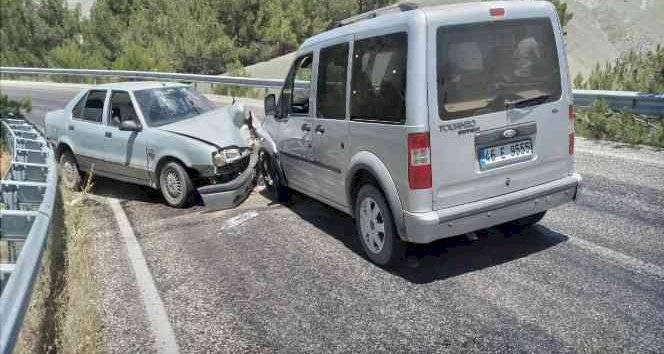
(106, 187)
(439, 260)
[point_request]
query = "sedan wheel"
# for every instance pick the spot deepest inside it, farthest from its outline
(71, 177)
(176, 186)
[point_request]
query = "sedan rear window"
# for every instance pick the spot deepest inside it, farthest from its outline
(171, 104)
(483, 67)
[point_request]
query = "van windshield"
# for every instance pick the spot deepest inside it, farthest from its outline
(487, 67)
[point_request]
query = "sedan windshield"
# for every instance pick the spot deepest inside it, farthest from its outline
(490, 67)
(171, 104)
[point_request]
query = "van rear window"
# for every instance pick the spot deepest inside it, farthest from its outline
(482, 67)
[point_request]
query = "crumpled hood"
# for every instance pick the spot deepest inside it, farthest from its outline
(221, 127)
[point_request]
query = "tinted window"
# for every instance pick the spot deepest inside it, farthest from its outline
(332, 76)
(297, 90)
(483, 67)
(379, 79)
(171, 104)
(121, 108)
(94, 106)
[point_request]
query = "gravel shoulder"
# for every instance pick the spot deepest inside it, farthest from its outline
(120, 309)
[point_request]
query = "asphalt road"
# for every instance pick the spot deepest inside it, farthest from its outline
(267, 277)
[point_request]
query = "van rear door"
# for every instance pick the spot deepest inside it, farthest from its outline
(499, 105)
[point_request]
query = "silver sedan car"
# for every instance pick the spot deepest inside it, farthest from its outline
(163, 135)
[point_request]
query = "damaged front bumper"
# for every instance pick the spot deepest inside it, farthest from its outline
(229, 195)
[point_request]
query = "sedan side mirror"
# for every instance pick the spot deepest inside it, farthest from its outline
(130, 125)
(270, 105)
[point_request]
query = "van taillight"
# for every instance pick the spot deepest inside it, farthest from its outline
(571, 130)
(419, 161)
(497, 12)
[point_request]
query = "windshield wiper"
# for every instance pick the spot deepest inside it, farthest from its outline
(193, 106)
(527, 101)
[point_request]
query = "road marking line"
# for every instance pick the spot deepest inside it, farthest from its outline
(239, 220)
(154, 307)
(629, 262)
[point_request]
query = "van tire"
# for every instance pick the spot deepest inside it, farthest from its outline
(273, 181)
(176, 186)
(528, 221)
(69, 171)
(372, 214)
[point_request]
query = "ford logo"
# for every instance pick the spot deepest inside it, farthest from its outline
(509, 133)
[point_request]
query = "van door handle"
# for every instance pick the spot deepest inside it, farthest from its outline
(71, 127)
(108, 135)
(320, 129)
(306, 127)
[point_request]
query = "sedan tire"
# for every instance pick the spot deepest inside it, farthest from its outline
(375, 227)
(176, 186)
(273, 182)
(69, 172)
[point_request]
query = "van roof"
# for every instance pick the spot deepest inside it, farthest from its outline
(393, 16)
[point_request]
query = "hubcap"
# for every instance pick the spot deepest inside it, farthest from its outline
(69, 171)
(372, 225)
(173, 183)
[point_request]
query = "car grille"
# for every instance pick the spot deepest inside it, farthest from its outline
(231, 171)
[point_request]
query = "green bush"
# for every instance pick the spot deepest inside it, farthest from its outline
(10, 106)
(633, 71)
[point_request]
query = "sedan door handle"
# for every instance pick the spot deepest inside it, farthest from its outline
(71, 127)
(108, 135)
(306, 127)
(320, 129)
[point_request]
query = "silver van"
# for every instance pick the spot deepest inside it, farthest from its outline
(426, 122)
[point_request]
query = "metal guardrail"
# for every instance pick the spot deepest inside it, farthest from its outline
(214, 79)
(635, 102)
(27, 196)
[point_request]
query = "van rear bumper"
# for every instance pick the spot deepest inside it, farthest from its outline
(430, 226)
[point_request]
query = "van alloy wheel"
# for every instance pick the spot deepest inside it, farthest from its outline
(372, 225)
(375, 227)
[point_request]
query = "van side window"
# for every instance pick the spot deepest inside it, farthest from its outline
(378, 84)
(94, 106)
(77, 111)
(332, 76)
(296, 99)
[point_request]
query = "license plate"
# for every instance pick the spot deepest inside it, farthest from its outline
(499, 154)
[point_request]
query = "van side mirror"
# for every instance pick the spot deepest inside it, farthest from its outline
(130, 125)
(270, 105)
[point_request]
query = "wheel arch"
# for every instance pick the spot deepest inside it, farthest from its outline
(368, 168)
(61, 148)
(163, 160)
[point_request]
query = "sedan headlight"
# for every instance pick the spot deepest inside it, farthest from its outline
(223, 157)
(218, 159)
